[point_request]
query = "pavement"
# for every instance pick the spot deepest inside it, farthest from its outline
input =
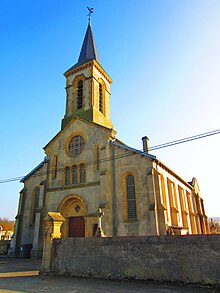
(22, 275)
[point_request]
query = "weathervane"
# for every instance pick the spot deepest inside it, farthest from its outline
(90, 12)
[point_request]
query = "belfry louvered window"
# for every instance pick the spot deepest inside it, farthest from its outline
(131, 197)
(100, 98)
(80, 94)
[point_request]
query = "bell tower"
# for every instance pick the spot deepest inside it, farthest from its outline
(88, 87)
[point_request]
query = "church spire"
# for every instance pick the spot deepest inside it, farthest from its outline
(88, 51)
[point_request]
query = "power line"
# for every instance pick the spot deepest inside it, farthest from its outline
(11, 179)
(129, 153)
(187, 139)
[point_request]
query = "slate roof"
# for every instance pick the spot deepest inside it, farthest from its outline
(124, 146)
(34, 170)
(88, 51)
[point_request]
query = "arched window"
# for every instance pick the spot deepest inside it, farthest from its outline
(82, 173)
(80, 94)
(36, 198)
(100, 98)
(75, 174)
(131, 197)
(67, 176)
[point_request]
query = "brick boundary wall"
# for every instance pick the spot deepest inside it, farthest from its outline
(193, 259)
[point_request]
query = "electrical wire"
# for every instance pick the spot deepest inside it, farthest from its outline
(187, 139)
(120, 156)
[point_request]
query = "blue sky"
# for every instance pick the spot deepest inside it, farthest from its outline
(163, 57)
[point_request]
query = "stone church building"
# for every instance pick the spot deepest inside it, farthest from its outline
(87, 168)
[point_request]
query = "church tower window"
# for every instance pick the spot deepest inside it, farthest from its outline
(100, 98)
(80, 94)
(131, 197)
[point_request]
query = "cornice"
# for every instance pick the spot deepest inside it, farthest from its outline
(102, 71)
(86, 65)
(171, 172)
(77, 69)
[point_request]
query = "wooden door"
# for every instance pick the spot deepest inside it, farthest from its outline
(76, 227)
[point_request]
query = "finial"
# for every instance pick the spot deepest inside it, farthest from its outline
(90, 12)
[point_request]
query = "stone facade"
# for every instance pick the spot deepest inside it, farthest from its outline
(87, 168)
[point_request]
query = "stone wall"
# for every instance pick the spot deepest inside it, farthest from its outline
(4, 246)
(184, 259)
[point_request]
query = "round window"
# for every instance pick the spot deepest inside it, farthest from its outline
(76, 145)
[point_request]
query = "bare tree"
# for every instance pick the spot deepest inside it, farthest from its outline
(214, 226)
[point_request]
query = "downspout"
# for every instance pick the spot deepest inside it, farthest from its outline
(114, 204)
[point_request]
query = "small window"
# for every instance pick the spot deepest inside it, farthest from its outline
(82, 173)
(67, 176)
(76, 145)
(131, 197)
(97, 157)
(80, 94)
(36, 199)
(75, 174)
(100, 98)
(54, 167)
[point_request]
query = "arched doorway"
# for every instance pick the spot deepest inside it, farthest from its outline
(73, 209)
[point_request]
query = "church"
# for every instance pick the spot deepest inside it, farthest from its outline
(88, 170)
